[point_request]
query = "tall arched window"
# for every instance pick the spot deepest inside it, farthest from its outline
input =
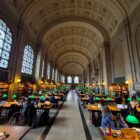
(48, 71)
(69, 80)
(27, 62)
(42, 73)
(76, 79)
(5, 44)
(63, 79)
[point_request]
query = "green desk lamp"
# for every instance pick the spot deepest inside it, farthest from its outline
(32, 96)
(138, 99)
(42, 97)
(4, 95)
(97, 99)
(129, 99)
(108, 98)
(14, 96)
(132, 119)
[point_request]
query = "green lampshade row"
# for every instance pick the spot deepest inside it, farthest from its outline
(132, 119)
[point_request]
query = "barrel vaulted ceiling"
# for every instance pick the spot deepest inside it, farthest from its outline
(72, 32)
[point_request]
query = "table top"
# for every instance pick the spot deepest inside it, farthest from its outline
(42, 106)
(84, 99)
(138, 109)
(92, 107)
(113, 108)
(8, 104)
(15, 132)
(124, 134)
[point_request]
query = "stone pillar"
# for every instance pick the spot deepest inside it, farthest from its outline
(38, 68)
(45, 69)
(87, 76)
(18, 55)
(55, 75)
(128, 57)
(107, 69)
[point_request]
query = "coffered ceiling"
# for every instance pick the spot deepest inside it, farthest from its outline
(72, 32)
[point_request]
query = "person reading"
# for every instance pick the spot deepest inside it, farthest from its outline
(113, 122)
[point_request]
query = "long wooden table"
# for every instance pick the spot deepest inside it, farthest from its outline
(124, 134)
(14, 132)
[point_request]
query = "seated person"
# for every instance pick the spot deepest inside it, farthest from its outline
(114, 121)
(104, 109)
(90, 99)
(52, 100)
(29, 112)
(13, 109)
(119, 100)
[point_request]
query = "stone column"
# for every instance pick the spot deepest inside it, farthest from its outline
(45, 69)
(107, 68)
(128, 56)
(87, 76)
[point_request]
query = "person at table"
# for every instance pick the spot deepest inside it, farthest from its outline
(91, 98)
(119, 99)
(104, 110)
(113, 122)
(52, 100)
(29, 112)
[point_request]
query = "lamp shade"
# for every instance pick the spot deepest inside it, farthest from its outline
(138, 99)
(32, 96)
(4, 95)
(97, 98)
(132, 119)
(14, 96)
(129, 99)
(108, 98)
(42, 97)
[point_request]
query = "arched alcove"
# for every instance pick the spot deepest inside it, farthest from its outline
(118, 64)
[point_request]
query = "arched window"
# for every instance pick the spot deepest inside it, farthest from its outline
(48, 71)
(5, 44)
(76, 79)
(27, 62)
(69, 80)
(63, 79)
(42, 73)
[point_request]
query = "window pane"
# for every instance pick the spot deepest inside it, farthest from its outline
(8, 39)
(5, 55)
(2, 34)
(7, 47)
(2, 25)
(3, 63)
(1, 43)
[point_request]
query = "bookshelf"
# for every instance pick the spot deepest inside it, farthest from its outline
(4, 88)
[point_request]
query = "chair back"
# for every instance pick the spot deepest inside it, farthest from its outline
(17, 119)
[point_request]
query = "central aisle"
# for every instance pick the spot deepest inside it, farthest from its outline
(68, 124)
